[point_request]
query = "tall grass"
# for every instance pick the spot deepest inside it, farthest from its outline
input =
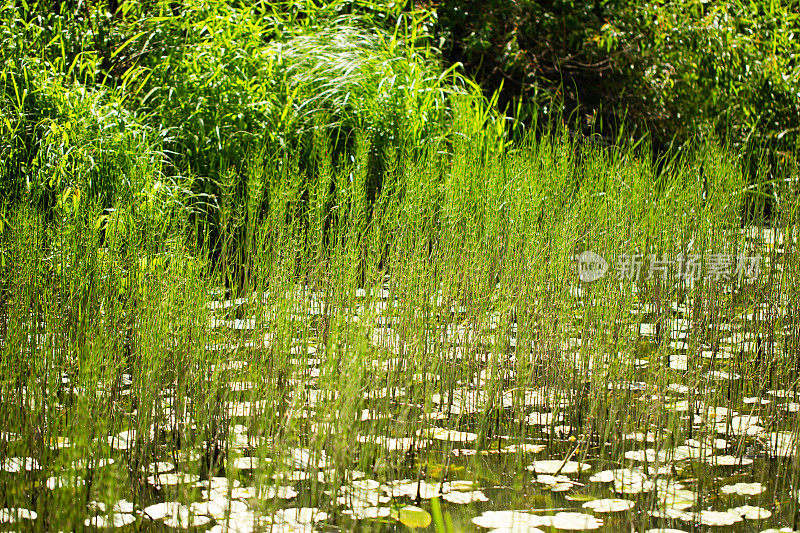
(452, 302)
(303, 258)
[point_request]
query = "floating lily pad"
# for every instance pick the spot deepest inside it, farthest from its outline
(677, 499)
(463, 497)
(299, 517)
(448, 435)
(572, 521)
(553, 466)
(713, 518)
(459, 484)
(19, 464)
(751, 512)
(525, 448)
(744, 489)
(514, 520)
(413, 517)
(115, 521)
(558, 483)
(11, 515)
(728, 460)
(160, 510)
(609, 505)
(173, 478)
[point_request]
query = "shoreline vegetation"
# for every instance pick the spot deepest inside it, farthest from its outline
(276, 268)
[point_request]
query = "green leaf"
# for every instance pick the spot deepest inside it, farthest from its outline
(122, 47)
(412, 516)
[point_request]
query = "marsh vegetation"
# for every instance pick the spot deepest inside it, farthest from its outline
(346, 296)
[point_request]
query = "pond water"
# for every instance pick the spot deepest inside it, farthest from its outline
(671, 435)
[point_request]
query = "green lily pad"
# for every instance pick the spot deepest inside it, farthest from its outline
(412, 516)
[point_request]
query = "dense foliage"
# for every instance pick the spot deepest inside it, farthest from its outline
(676, 69)
(173, 105)
(272, 254)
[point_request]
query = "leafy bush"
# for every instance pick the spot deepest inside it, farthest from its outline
(728, 69)
(674, 70)
(154, 93)
(540, 56)
(232, 84)
(240, 78)
(62, 143)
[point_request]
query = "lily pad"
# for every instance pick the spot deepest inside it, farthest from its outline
(713, 518)
(572, 521)
(448, 435)
(463, 497)
(511, 520)
(13, 514)
(553, 466)
(413, 517)
(609, 505)
(744, 489)
(751, 512)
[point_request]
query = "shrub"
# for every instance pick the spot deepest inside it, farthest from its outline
(63, 143)
(728, 70)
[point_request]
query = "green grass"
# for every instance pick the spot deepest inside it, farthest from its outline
(311, 246)
(450, 302)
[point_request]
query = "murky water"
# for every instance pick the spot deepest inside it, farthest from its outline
(702, 459)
